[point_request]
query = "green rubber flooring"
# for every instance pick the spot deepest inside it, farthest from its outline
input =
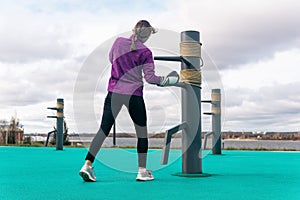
(44, 173)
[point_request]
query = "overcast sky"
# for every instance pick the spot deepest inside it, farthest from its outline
(254, 44)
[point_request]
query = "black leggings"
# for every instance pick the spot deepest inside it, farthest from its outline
(137, 111)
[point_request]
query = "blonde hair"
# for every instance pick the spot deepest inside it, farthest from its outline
(141, 31)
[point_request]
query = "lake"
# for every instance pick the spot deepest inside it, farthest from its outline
(176, 143)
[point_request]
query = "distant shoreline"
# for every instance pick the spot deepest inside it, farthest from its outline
(129, 141)
(260, 140)
(234, 136)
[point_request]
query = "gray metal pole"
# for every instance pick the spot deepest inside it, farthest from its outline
(60, 124)
(216, 121)
(191, 114)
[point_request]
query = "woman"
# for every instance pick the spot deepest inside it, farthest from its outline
(130, 58)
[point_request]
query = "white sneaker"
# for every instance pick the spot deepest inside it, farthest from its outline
(87, 173)
(145, 176)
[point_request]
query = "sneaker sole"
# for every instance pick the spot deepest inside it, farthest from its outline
(143, 180)
(85, 177)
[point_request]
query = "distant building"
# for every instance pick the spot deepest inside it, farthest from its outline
(11, 133)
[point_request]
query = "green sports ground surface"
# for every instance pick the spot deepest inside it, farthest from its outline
(44, 173)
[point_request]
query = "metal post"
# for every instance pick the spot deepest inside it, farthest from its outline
(60, 124)
(191, 114)
(168, 137)
(216, 121)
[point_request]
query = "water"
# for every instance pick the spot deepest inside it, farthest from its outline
(176, 143)
(268, 144)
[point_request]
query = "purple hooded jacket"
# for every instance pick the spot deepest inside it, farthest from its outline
(128, 67)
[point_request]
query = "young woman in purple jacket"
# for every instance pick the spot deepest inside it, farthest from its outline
(130, 60)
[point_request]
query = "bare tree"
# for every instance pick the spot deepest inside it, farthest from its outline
(13, 128)
(3, 131)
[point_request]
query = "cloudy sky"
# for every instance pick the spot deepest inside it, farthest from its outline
(254, 44)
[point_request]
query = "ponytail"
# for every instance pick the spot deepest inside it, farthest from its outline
(142, 31)
(133, 39)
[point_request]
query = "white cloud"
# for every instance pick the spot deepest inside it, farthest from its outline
(264, 95)
(238, 32)
(281, 68)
